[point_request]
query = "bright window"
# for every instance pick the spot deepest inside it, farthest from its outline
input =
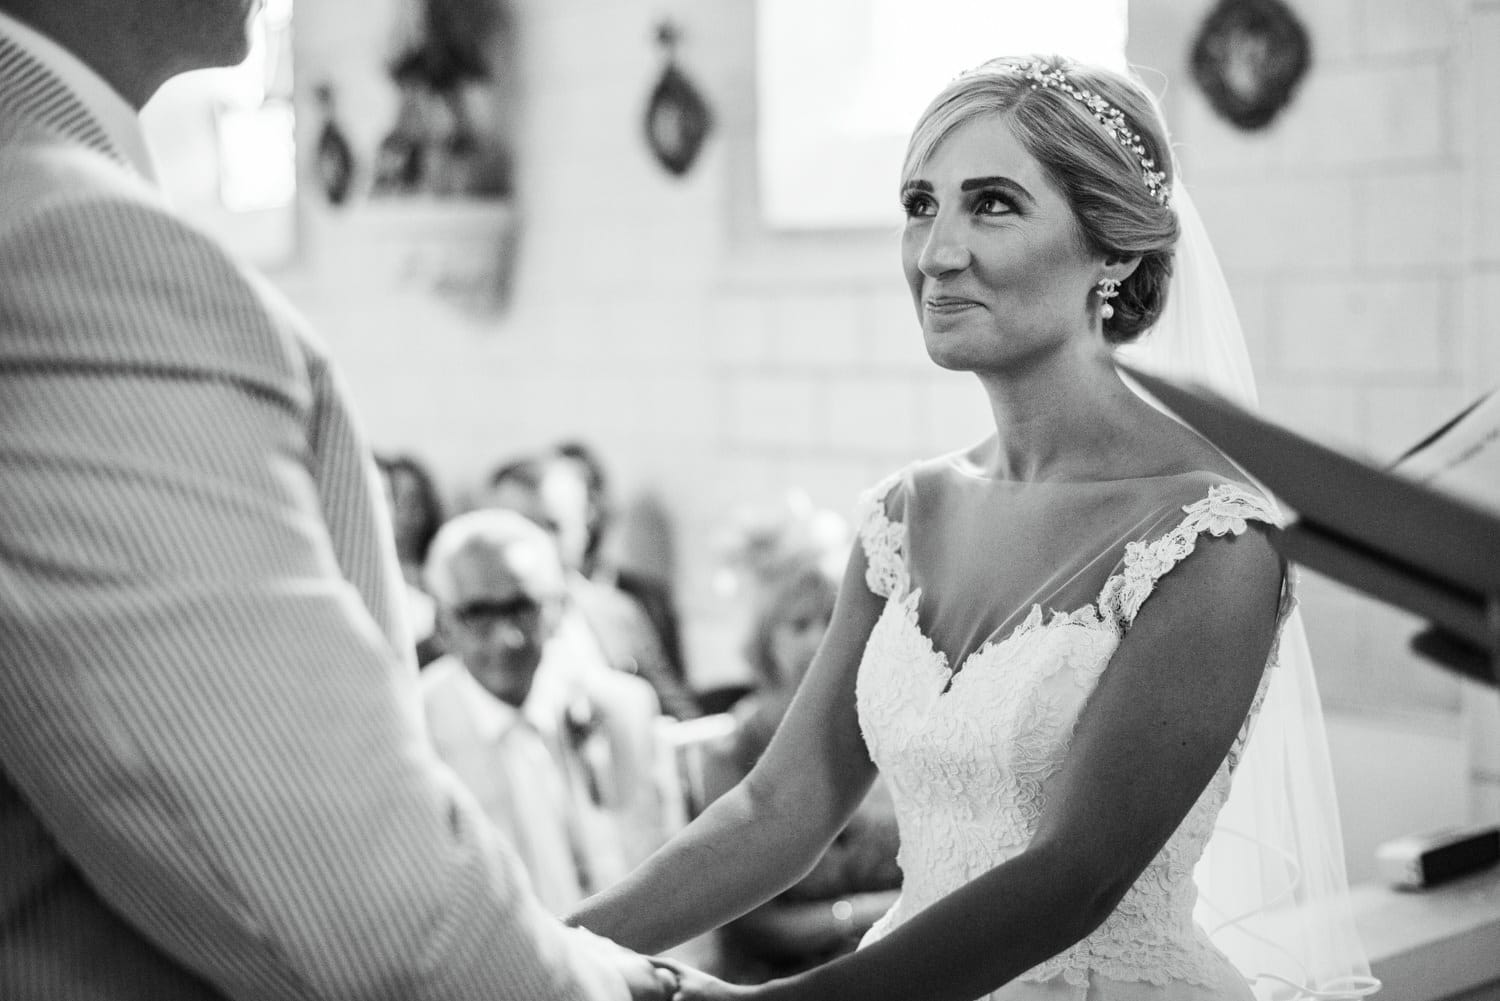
(841, 82)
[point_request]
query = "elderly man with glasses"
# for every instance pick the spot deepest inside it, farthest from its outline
(540, 753)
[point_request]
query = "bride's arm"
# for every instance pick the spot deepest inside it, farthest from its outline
(1164, 715)
(770, 829)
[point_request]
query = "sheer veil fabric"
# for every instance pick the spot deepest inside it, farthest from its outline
(1273, 890)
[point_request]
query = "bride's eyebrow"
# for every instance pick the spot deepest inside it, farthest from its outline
(977, 183)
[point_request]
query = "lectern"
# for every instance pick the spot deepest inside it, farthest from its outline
(1432, 552)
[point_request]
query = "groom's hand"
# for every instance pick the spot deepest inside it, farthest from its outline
(695, 985)
(642, 978)
(647, 981)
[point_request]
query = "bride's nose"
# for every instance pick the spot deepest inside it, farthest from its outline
(945, 249)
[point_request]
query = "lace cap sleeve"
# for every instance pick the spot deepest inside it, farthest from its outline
(882, 538)
(1227, 510)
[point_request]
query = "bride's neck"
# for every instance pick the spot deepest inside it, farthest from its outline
(1065, 419)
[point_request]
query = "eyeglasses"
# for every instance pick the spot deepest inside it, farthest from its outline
(521, 614)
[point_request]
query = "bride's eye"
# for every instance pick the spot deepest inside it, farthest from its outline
(917, 203)
(993, 203)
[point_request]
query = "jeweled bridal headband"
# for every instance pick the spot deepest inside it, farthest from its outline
(1112, 118)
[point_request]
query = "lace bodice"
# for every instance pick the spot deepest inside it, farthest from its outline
(968, 750)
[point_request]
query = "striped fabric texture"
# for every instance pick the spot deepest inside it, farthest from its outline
(214, 776)
(31, 92)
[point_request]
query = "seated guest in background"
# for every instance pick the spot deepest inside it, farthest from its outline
(605, 624)
(603, 724)
(603, 718)
(416, 513)
(760, 546)
(500, 591)
(650, 584)
(857, 880)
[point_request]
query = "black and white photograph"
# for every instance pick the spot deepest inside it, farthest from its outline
(749, 500)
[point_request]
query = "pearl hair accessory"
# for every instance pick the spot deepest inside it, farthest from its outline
(1108, 289)
(1112, 118)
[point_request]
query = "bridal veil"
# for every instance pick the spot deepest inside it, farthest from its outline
(1273, 890)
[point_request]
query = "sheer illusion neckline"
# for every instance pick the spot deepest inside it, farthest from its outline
(1226, 509)
(1037, 620)
(967, 470)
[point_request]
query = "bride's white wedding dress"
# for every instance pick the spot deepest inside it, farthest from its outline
(1005, 602)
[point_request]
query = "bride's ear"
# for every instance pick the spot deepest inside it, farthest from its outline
(1119, 268)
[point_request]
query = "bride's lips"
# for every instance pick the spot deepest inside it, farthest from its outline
(948, 304)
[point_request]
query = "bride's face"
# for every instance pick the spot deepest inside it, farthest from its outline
(992, 253)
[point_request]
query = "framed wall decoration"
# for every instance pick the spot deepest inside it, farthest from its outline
(407, 127)
(1248, 59)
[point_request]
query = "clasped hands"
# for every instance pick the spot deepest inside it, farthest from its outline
(670, 980)
(657, 978)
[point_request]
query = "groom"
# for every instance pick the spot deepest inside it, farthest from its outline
(214, 778)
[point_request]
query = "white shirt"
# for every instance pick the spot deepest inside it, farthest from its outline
(617, 761)
(506, 763)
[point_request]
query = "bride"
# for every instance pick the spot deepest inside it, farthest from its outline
(1056, 645)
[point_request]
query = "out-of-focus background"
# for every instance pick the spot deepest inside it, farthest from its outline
(739, 328)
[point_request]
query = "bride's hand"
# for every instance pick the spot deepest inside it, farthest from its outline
(695, 985)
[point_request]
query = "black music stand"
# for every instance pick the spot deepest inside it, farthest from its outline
(1379, 532)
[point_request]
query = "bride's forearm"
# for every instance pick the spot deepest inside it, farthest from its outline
(742, 851)
(968, 943)
(767, 832)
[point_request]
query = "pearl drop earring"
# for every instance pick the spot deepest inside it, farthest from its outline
(1108, 289)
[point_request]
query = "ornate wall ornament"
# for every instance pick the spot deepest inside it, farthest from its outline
(453, 133)
(677, 118)
(333, 157)
(417, 183)
(1249, 57)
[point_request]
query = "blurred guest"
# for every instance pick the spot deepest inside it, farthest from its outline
(857, 880)
(600, 506)
(758, 547)
(416, 513)
(502, 595)
(603, 723)
(500, 592)
(604, 624)
(790, 617)
(763, 545)
(650, 586)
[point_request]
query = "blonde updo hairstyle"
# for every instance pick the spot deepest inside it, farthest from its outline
(1116, 214)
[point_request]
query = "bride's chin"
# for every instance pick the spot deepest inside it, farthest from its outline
(951, 354)
(951, 364)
